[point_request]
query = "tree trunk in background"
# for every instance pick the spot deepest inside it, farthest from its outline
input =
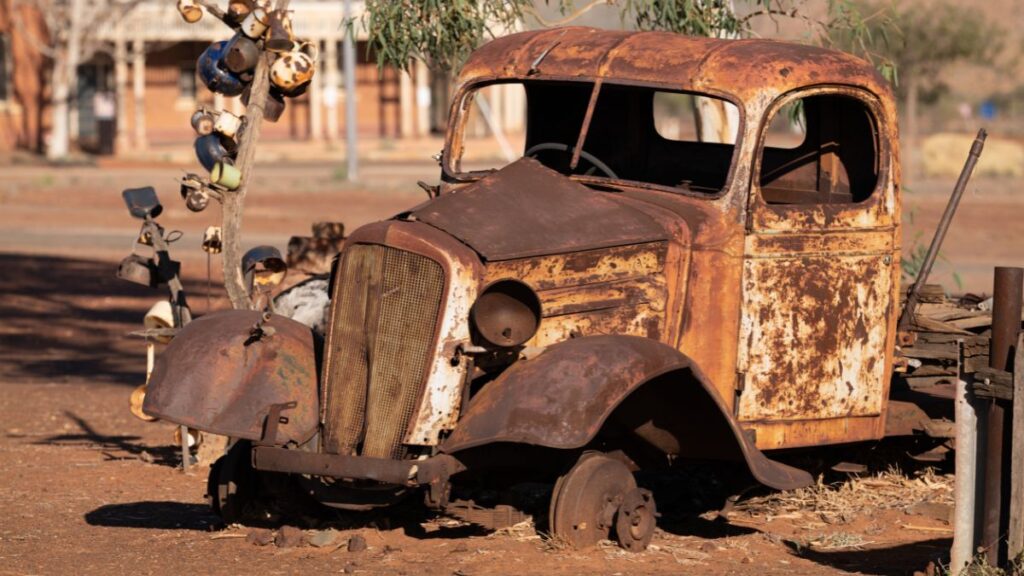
(65, 77)
(716, 120)
(57, 146)
(913, 88)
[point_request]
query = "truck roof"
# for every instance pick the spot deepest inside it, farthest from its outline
(743, 69)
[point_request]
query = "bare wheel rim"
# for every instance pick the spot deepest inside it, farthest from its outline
(635, 520)
(587, 498)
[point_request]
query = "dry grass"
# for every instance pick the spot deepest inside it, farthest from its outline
(839, 503)
(944, 155)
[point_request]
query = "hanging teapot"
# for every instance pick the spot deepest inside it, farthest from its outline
(294, 68)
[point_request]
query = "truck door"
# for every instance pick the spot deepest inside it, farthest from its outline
(819, 271)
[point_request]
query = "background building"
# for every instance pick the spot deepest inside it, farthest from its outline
(147, 64)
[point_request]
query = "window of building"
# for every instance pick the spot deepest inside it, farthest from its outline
(5, 68)
(187, 80)
(823, 151)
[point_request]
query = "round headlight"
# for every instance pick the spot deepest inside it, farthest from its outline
(506, 314)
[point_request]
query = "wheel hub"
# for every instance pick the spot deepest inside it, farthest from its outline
(636, 519)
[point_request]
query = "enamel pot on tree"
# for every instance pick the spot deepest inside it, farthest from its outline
(238, 10)
(190, 11)
(214, 72)
(202, 122)
(295, 68)
(280, 37)
(211, 149)
(242, 54)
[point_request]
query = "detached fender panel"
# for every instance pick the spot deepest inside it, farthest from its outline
(562, 398)
(215, 377)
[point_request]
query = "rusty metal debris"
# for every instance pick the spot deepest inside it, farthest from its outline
(212, 378)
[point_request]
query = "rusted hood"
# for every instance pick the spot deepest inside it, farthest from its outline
(215, 377)
(526, 209)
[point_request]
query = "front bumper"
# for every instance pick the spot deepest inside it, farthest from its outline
(429, 471)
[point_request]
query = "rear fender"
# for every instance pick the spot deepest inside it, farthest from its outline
(215, 376)
(562, 398)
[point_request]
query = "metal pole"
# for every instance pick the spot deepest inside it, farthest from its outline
(348, 56)
(966, 479)
(1008, 293)
(940, 232)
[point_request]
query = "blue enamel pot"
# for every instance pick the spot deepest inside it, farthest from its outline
(214, 71)
(213, 148)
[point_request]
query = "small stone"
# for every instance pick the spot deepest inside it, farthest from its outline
(746, 560)
(288, 537)
(259, 536)
(146, 457)
(460, 547)
(389, 549)
(708, 547)
(936, 511)
(323, 538)
(356, 543)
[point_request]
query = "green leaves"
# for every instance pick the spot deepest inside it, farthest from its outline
(440, 32)
(713, 18)
(443, 33)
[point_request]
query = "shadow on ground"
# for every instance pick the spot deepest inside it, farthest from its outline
(115, 447)
(893, 561)
(154, 515)
(69, 318)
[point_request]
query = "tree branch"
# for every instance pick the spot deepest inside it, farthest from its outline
(532, 11)
(234, 202)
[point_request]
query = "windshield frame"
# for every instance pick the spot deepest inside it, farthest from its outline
(463, 100)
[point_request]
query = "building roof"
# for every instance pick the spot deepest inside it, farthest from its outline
(743, 68)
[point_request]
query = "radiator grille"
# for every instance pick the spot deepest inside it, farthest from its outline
(384, 323)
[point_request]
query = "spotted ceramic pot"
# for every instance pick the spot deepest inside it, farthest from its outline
(295, 68)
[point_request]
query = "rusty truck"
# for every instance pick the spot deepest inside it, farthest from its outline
(624, 296)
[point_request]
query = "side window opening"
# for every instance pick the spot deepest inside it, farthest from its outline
(822, 151)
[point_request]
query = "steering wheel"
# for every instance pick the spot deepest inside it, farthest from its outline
(559, 147)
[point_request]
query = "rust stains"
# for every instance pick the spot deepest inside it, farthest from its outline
(216, 376)
(527, 209)
(562, 398)
(743, 69)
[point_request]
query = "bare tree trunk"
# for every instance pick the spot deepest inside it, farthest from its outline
(65, 75)
(913, 88)
(57, 146)
(716, 120)
(234, 202)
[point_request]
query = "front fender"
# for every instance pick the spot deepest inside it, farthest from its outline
(216, 377)
(562, 398)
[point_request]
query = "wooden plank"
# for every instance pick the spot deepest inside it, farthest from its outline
(931, 351)
(968, 323)
(927, 324)
(1015, 542)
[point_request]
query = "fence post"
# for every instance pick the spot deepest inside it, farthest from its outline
(1015, 542)
(1008, 294)
(966, 478)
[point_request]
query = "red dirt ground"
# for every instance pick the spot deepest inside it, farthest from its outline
(87, 488)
